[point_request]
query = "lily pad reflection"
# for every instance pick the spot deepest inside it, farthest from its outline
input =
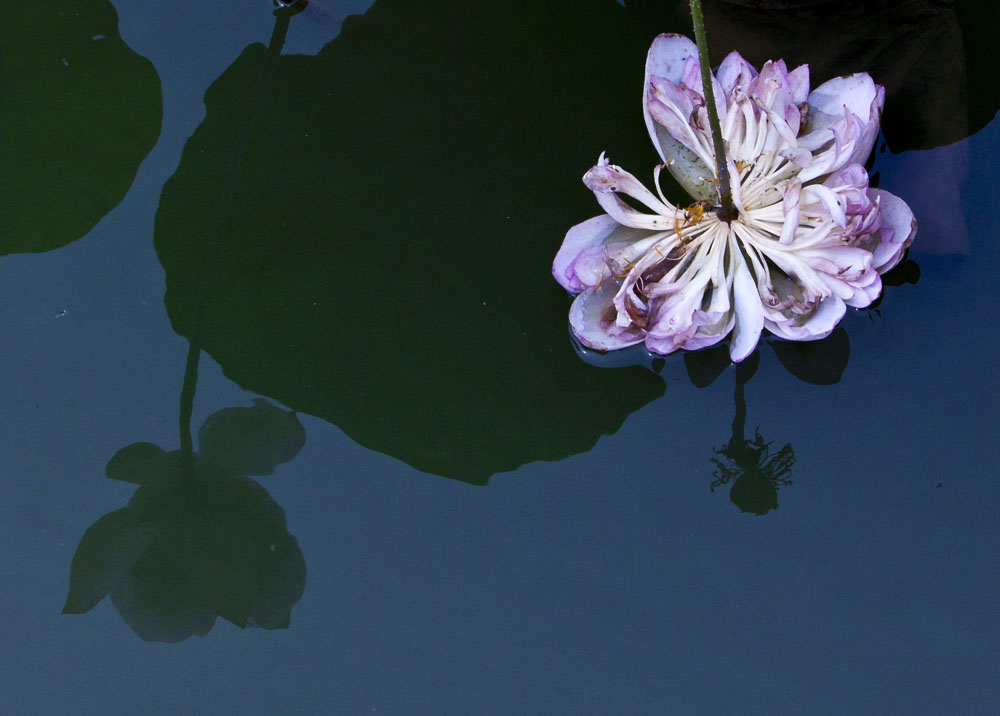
(365, 235)
(80, 111)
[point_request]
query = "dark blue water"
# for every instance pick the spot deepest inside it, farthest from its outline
(356, 224)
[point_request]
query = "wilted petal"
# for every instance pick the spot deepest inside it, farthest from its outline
(681, 102)
(605, 177)
(735, 72)
(867, 289)
(830, 201)
(666, 58)
(770, 88)
(582, 259)
(592, 318)
(896, 233)
(684, 148)
(851, 185)
(672, 110)
(861, 97)
(818, 324)
(675, 326)
(798, 84)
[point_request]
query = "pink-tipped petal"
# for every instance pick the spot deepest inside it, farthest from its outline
(592, 318)
(735, 72)
(607, 180)
(798, 84)
(858, 95)
(580, 240)
(897, 231)
(666, 58)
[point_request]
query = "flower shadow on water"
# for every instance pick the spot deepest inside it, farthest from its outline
(754, 469)
(199, 539)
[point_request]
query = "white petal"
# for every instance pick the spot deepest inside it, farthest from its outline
(749, 312)
(605, 180)
(592, 318)
(791, 191)
(829, 200)
(818, 325)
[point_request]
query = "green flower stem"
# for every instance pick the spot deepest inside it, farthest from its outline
(187, 407)
(728, 211)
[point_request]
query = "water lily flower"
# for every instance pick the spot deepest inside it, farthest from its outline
(810, 237)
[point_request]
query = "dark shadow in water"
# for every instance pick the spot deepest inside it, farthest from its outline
(752, 470)
(755, 471)
(375, 227)
(749, 464)
(79, 112)
(199, 539)
(937, 59)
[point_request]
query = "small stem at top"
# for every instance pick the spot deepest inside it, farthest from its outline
(728, 211)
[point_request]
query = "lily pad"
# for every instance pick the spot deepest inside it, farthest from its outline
(366, 235)
(80, 111)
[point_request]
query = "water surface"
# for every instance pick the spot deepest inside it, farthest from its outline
(353, 219)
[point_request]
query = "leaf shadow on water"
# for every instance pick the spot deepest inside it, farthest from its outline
(80, 112)
(366, 235)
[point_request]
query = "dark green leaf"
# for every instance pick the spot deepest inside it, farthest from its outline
(79, 113)
(106, 551)
(145, 464)
(251, 441)
(367, 236)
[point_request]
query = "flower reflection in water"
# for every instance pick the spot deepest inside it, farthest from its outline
(199, 539)
(754, 470)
